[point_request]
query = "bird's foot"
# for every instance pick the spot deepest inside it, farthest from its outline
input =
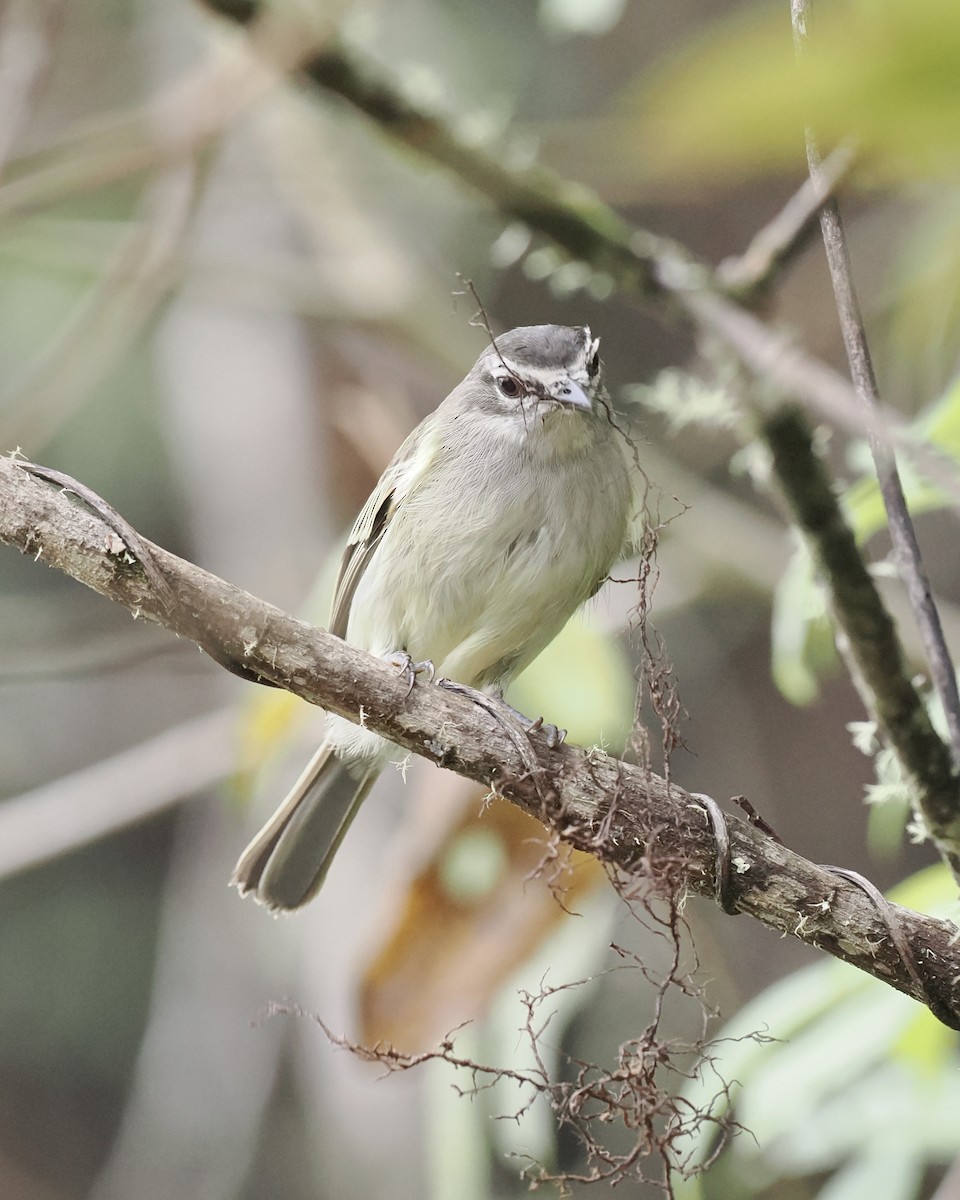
(516, 726)
(499, 708)
(410, 669)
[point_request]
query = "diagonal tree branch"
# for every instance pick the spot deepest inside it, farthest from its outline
(630, 818)
(869, 629)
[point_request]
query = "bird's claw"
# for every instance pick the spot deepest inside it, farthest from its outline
(410, 669)
(553, 735)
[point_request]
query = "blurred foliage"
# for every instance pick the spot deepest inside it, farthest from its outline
(492, 892)
(802, 640)
(734, 102)
(801, 632)
(921, 350)
(848, 1077)
(595, 17)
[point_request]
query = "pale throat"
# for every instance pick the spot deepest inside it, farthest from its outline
(543, 432)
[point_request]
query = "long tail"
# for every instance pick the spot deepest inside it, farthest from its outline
(286, 863)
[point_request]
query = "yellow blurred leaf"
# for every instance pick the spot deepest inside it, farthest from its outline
(581, 681)
(266, 723)
(879, 71)
(270, 716)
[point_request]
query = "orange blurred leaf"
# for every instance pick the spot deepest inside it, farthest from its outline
(493, 890)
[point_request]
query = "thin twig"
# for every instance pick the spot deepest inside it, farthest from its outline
(903, 534)
(782, 238)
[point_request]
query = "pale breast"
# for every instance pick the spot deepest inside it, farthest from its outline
(483, 565)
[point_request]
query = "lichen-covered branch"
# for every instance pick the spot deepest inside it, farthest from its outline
(630, 818)
(869, 628)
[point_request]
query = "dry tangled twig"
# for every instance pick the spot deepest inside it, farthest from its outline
(626, 1120)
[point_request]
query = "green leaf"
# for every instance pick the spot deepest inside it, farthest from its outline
(884, 1111)
(840, 1046)
(801, 634)
(892, 1174)
(940, 423)
(886, 821)
(928, 891)
(925, 1044)
(793, 1084)
(924, 329)
(594, 17)
(738, 1053)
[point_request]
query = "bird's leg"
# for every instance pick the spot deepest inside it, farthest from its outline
(410, 669)
(517, 731)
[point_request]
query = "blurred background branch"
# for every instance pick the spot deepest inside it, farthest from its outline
(639, 262)
(62, 816)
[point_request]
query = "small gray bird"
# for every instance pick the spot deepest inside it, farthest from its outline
(501, 513)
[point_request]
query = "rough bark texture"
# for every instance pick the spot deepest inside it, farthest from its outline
(630, 818)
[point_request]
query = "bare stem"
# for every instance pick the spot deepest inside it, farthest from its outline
(903, 533)
(782, 238)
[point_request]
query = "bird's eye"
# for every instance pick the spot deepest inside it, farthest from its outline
(509, 386)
